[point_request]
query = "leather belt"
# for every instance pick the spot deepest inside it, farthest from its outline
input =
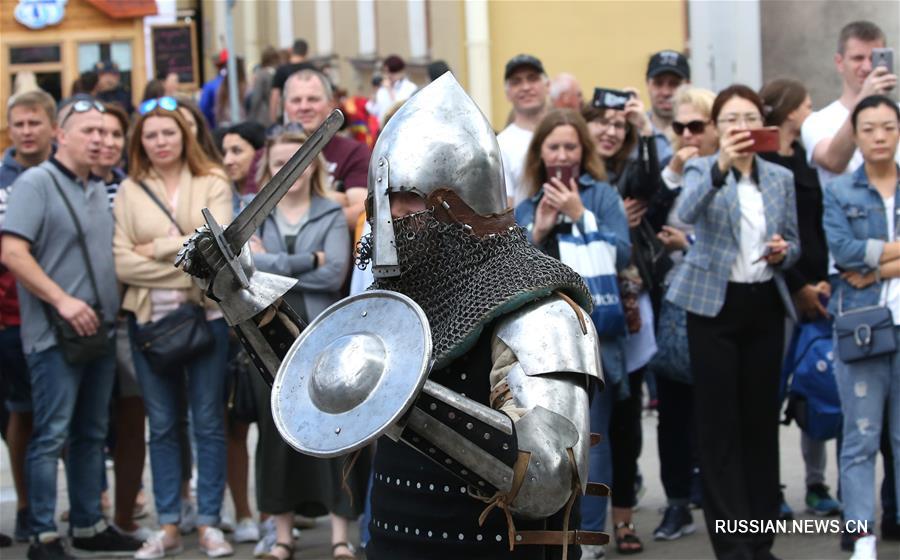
(556, 537)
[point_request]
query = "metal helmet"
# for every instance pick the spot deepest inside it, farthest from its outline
(438, 138)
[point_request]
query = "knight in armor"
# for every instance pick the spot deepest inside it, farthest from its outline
(490, 456)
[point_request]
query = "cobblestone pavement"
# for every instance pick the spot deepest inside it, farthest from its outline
(314, 544)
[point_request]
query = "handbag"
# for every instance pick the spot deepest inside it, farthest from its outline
(672, 359)
(178, 337)
(241, 402)
(864, 333)
(593, 256)
(79, 350)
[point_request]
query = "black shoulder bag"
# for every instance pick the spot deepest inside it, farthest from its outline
(79, 350)
(180, 336)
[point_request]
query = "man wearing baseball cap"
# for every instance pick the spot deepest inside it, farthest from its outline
(109, 85)
(666, 71)
(526, 86)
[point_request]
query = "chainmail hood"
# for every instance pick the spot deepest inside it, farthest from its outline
(463, 281)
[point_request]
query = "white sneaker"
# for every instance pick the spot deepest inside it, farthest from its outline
(214, 545)
(864, 548)
(156, 547)
(188, 522)
(246, 531)
(592, 551)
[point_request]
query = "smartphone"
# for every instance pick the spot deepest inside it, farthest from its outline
(562, 172)
(883, 57)
(611, 98)
(765, 139)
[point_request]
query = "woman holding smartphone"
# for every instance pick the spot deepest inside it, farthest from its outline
(565, 182)
(743, 209)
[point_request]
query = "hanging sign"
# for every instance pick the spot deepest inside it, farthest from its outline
(38, 14)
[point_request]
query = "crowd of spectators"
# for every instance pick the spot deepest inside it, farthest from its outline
(722, 252)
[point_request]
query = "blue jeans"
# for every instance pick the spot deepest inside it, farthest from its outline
(868, 389)
(70, 404)
(593, 508)
(205, 396)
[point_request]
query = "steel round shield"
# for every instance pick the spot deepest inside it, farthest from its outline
(352, 373)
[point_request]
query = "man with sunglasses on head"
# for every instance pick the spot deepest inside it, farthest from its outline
(57, 242)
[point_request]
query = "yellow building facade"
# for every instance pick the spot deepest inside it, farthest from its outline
(602, 42)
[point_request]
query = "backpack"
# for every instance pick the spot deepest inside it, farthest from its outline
(807, 380)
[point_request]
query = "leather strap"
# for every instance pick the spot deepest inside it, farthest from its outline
(450, 208)
(161, 206)
(555, 538)
(575, 308)
(596, 489)
(500, 394)
(596, 439)
(504, 500)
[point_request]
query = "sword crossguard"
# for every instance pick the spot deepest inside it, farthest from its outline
(230, 258)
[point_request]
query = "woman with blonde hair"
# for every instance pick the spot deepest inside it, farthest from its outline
(170, 181)
(306, 238)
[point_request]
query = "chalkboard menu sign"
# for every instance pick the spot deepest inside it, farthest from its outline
(175, 50)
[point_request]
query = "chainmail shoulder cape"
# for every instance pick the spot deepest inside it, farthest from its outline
(463, 281)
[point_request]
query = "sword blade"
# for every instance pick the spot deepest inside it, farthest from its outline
(248, 221)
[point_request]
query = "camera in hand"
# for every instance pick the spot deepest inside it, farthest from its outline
(611, 98)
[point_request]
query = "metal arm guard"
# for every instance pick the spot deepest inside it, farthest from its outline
(537, 462)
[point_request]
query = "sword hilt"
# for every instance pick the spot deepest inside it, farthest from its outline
(230, 258)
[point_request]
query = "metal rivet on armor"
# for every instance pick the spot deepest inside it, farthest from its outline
(467, 227)
(487, 435)
(381, 163)
(430, 533)
(445, 535)
(398, 482)
(364, 313)
(406, 529)
(445, 205)
(451, 416)
(462, 376)
(481, 482)
(431, 486)
(462, 489)
(408, 483)
(469, 425)
(418, 485)
(397, 528)
(388, 480)
(505, 446)
(446, 488)
(499, 538)
(461, 536)
(337, 430)
(464, 472)
(505, 479)
(518, 538)
(417, 531)
(432, 406)
(478, 538)
(448, 461)
(430, 450)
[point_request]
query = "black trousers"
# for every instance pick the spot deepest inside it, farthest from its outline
(675, 437)
(735, 359)
(625, 441)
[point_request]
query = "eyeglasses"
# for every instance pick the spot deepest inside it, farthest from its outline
(617, 126)
(749, 119)
(696, 127)
(82, 105)
(289, 128)
(167, 103)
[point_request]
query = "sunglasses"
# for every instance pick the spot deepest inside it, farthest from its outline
(289, 128)
(82, 105)
(167, 103)
(696, 127)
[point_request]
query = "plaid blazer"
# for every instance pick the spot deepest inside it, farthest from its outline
(699, 286)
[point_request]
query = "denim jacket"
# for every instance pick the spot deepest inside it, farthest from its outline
(856, 229)
(603, 200)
